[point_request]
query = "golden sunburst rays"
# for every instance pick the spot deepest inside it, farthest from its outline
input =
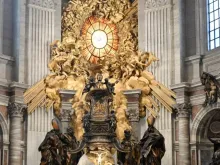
(167, 100)
(36, 97)
(101, 38)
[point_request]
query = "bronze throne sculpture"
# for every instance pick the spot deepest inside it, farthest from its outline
(100, 122)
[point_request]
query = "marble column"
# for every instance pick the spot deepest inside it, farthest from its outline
(184, 139)
(133, 101)
(1, 25)
(66, 109)
(16, 36)
(16, 111)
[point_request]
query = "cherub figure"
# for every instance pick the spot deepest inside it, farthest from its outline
(110, 86)
(91, 84)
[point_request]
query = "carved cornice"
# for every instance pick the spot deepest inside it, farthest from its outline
(156, 3)
(49, 4)
(183, 110)
(16, 109)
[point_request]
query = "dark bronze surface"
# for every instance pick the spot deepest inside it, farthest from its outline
(211, 88)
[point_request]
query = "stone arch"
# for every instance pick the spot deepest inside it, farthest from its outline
(199, 120)
(4, 139)
(201, 146)
(4, 127)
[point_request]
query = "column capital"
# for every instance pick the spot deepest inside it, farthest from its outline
(16, 109)
(183, 109)
(156, 3)
(50, 4)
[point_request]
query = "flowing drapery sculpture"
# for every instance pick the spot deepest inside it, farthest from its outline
(51, 147)
(55, 147)
(152, 145)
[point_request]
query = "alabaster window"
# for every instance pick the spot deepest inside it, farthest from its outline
(213, 11)
(101, 39)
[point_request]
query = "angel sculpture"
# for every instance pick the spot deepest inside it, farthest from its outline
(211, 88)
(91, 84)
(110, 86)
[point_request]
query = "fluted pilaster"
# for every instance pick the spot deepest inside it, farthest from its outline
(1, 25)
(184, 147)
(16, 112)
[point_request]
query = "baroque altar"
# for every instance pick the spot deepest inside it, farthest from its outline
(99, 59)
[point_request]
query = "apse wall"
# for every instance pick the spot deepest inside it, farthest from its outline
(155, 35)
(43, 27)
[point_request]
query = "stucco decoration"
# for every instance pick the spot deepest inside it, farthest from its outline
(156, 3)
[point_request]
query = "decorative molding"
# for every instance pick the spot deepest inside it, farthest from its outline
(133, 97)
(4, 100)
(132, 92)
(66, 95)
(184, 85)
(197, 99)
(156, 3)
(49, 4)
(183, 110)
(193, 58)
(18, 85)
(17, 99)
(133, 114)
(6, 57)
(16, 109)
(65, 115)
(4, 84)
